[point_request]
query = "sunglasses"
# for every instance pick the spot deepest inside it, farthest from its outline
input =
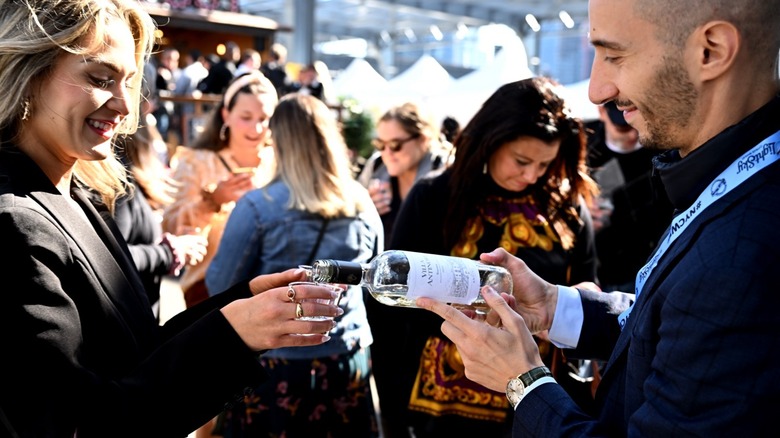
(393, 145)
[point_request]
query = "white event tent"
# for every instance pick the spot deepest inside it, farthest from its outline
(425, 78)
(467, 94)
(576, 96)
(358, 79)
(428, 83)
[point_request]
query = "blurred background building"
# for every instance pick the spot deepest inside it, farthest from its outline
(460, 34)
(449, 55)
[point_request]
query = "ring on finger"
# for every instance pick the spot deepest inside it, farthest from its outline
(291, 294)
(298, 310)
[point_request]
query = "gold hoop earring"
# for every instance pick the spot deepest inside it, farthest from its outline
(223, 132)
(26, 111)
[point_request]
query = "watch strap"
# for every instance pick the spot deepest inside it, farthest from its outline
(534, 374)
(519, 386)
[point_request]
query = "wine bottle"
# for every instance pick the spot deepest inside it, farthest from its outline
(398, 278)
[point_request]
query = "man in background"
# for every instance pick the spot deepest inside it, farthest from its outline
(168, 73)
(632, 212)
(276, 71)
(309, 83)
(250, 61)
(221, 73)
(195, 71)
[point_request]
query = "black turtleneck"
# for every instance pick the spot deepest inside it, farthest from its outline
(684, 179)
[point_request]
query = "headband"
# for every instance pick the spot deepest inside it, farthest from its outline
(242, 81)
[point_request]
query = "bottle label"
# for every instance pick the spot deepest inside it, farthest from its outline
(447, 279)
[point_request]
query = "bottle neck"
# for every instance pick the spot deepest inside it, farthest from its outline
(339, 272)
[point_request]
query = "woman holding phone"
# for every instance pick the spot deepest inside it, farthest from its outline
(228, 159)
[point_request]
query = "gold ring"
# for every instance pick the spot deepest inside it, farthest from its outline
(291, 294)
(298, 310)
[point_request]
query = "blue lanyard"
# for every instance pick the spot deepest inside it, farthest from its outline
(750, 163)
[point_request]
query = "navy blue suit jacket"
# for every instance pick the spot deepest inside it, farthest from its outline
(700, 353)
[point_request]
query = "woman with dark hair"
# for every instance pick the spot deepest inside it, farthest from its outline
(227, 159)
(518, 181)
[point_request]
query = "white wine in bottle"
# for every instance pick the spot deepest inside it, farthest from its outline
(398, 278)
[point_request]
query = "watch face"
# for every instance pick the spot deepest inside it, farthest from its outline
(514, 390)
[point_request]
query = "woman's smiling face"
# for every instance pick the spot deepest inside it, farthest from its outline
(76, 110)
(248, 119)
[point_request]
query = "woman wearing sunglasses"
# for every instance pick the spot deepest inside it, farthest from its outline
(408, 146)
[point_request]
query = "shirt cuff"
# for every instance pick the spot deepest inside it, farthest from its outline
(567, 321)
(533, 386)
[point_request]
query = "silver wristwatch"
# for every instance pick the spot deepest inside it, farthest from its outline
(516, 386)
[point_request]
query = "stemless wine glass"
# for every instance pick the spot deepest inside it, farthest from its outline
(335, 301)
(308, 270)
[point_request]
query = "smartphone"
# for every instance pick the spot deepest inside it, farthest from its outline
(240, 170)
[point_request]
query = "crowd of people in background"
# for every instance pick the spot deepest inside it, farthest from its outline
(521, 208)
(255, 156)
(191, 73)
(97, 362)
(262, 182)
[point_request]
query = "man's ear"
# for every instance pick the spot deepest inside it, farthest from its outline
(718, 44)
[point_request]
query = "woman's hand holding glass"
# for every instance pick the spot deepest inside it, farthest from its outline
(270, 319)
(381, 195)
(294, 292)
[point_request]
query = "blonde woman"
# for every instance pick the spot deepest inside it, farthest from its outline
(228, 159)
(91, 360)
(312, 209)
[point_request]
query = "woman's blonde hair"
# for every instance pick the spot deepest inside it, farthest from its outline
(33, 36)
(312, 158)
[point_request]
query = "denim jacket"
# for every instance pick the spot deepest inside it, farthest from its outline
(263, 236)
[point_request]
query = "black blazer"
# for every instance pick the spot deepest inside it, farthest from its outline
(82, 351)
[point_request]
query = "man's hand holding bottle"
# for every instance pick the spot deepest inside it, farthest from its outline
(492, 354)
(502, 346)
